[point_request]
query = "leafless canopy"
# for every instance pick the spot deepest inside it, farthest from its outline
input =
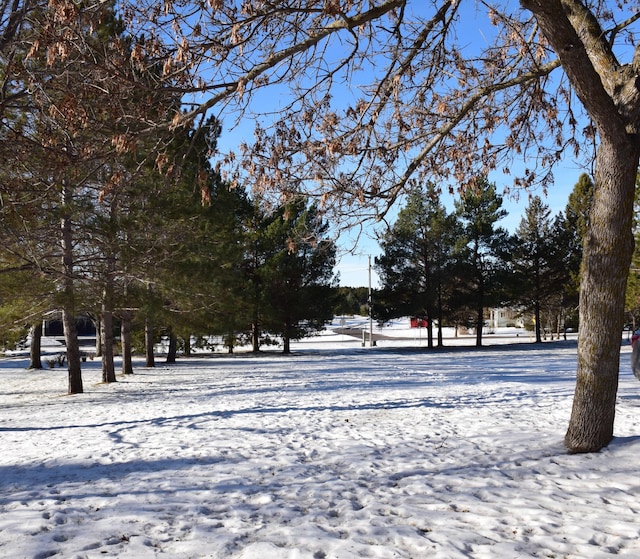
(356, 99)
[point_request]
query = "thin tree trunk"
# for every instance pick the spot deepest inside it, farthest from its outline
(255, 337)
(73, 350)
(286, 339)
(68, 306)
(607, 256)
(479, 324)
(440, 339)
(108, 367)
(98, 324)
(35, 348)
(148, 343)
(538, 322)
(125, 340)
(479, 270)
(173, 347)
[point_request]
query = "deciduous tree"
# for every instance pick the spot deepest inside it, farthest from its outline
(427, 102)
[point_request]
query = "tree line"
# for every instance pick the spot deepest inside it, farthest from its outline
(98, 220)
(449, 267)
(155, 260)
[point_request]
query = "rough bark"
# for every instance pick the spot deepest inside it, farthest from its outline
(106, 331)
(68, 309)
(148, 343)
(593, 71)
(607, 256)
(125, 337)
(35, 348)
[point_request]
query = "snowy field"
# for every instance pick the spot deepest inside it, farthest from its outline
(336, 452)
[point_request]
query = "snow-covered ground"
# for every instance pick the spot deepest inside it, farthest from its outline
(338, 451)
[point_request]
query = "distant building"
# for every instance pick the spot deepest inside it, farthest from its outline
(503, 317)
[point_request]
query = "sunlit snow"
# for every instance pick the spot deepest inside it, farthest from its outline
(338, 451)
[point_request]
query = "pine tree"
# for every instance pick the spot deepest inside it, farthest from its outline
(297, 277)
(632, 294)
(577, 224)
(480, 250)
(416, 259)
(533, 261)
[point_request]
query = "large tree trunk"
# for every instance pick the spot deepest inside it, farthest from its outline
(607, 256)
(125, 339)
(611, 97)
(35, 348)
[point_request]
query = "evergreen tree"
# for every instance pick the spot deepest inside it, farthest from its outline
(416, 260)
(480, 251)
(297, 277)
(576, 226)
(83, 107)
(632, 294)
(533, 261)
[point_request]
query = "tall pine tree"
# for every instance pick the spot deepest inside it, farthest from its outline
(415, 262)
(480, 250)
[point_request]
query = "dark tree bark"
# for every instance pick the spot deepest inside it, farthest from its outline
(607, 256)
(35, 348)
(286, 339)
(173, 347)
(255, 337)
(148, 343)
(125, 337)
(108, 366)
(68, 309)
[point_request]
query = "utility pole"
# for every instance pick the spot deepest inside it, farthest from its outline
(371, 344)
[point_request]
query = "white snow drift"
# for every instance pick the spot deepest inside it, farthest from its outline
(336, 452)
